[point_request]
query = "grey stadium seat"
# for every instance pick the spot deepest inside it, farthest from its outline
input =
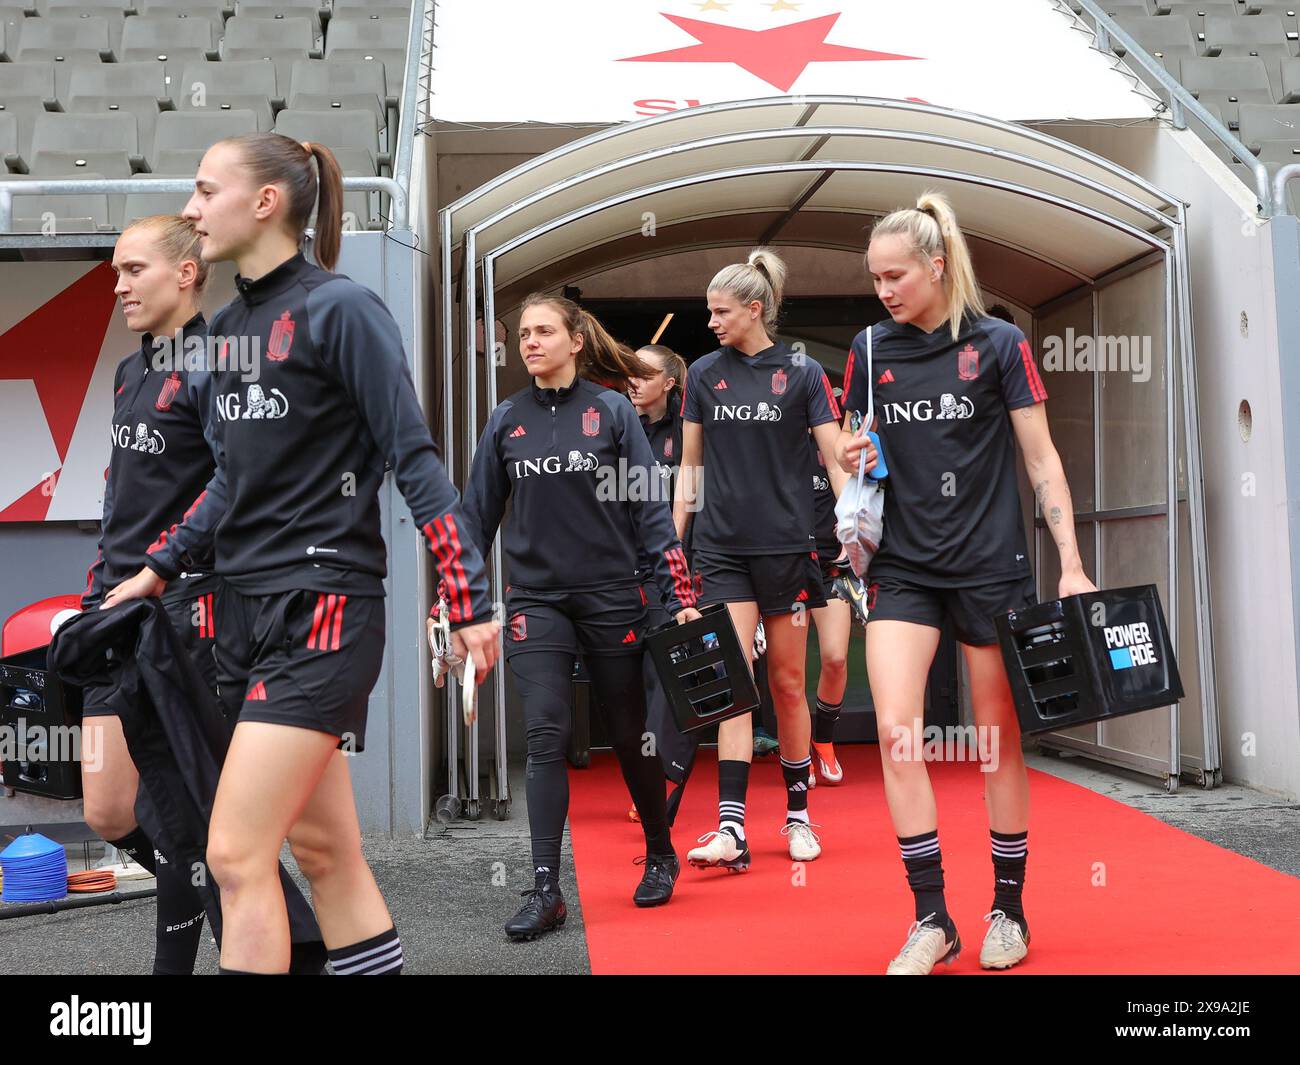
(211, 13)
(75, 9)
(128, 88)
(1269, 122)
(9, 137)
(44, 7)
(63, 40)
(1286, 12)
(238, 85)
(197, 131)
(176, 162)
(69, 214)
(339, 85)
(282, 41)
(1196, 14)
(282, 10)
(1163, 36)
(143, 204)
(1228, 83)
(1290, 90)
(394, 8)
(352, 136)
(170, 41)
(78, 145)
(1261, 35)
(374, 40)
(24, 90)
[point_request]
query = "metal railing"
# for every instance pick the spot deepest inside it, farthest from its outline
(1280, 181)
(1181, 101)
(397, 187)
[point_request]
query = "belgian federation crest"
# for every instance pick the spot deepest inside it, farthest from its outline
(668, 448)
(778, 383)
(170, 387)
(968, 363)
(281, 338)
(519, 628)
(591, 422)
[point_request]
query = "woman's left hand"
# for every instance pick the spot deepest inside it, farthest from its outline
(143, 585)
(689, 614)
(1074, 584)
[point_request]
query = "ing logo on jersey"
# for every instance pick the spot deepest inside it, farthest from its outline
(820, 484)
(149, 441)
(577, 463)
(232, 406)
(744, 412)
(950, 408)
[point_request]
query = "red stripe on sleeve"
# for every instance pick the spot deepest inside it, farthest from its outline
(162, 536)
(1036, 387)
(450, 568)
(830, 397)
(461, 579)
(848, 374)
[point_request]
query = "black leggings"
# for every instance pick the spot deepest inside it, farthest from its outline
(544, 680)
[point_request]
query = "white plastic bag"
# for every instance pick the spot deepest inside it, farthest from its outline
(860, 509)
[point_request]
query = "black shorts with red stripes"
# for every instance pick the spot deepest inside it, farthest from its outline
(972, 610)
(607, 621)
(303, 658)
(779, 584)
(193, 616)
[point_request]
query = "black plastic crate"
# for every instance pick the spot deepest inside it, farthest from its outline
(704, 672)
(34, 703)
(1089, 657)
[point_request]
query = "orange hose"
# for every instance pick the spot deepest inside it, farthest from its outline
(92, 880)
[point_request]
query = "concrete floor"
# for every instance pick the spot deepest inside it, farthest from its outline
(451, 892)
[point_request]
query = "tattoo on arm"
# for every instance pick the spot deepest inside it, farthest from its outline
(1056, 516)
(1040, 492)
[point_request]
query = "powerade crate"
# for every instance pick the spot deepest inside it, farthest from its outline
(1089, 657)
(704, 672)
(38, 737)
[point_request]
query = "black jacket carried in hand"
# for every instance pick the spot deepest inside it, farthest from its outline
(177, 737)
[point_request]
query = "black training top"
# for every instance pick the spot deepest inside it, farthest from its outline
(585, 496)
(302, 448)
(665, 437)
(952, 507)
(828, 545)
(159, 462)
(756, 411)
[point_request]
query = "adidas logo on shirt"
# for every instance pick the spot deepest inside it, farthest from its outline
(630, 637)
(720, 386)
(885, 378)
(519, 430)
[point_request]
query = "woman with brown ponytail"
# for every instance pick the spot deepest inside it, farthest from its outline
(955, 391)
(573, 461)
(748, 410)
(302, 445)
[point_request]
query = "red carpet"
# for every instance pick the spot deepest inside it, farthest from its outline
(1170, 903)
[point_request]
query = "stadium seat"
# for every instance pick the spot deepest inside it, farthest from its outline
(282, 41)
(196, 132)
(204, 11)
(63, 40)
(395, 8)
(66, 144)
(143, 204)
(1164, 36)
(11, 24)
(24, 90)
(377, 40)
(236, 85)
(1196, 14)
(1286, 12)
(59, 214)
(170, 41)
(1289, 91)
(9, 138)
(283, 10)
(129, 88)
(339, 85)
(1254, 35)
(1228, 83)
(176, 162)
(1269, 122)
(112, 14)
(353, 136)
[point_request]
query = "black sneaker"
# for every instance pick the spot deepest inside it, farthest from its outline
(657, 881)
(542, 911)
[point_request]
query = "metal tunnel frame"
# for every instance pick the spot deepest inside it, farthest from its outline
(479, 265)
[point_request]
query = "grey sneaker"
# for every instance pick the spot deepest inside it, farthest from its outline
(1004, 943)
(926, 945)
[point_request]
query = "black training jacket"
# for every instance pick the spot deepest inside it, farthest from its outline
(177, 737)
(302, 449)
(585, 494)
(159, 462)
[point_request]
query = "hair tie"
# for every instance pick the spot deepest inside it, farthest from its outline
(306, 145)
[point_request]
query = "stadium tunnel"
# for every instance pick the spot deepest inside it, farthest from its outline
(1070, 238)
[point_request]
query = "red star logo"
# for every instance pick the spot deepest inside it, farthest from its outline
(777, 55)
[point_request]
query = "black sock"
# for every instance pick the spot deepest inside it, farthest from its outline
(733, 783)
(379, 955)
(138, 847)
(796, 788)
(924, 866)
(223, 971)
(180, 921)
(546, 878)
(824, 718)
(1010, 853)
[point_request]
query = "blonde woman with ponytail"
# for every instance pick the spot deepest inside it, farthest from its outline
(746, 469)
(577, 540)
(955, 391)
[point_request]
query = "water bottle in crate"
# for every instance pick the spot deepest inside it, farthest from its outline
(704, 672)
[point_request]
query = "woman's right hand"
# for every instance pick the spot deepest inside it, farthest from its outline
(849, 448)
(483, 641)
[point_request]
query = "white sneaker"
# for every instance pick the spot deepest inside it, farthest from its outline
(720, 848)
(1004, 944)
(926, 945)
(804, 842)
